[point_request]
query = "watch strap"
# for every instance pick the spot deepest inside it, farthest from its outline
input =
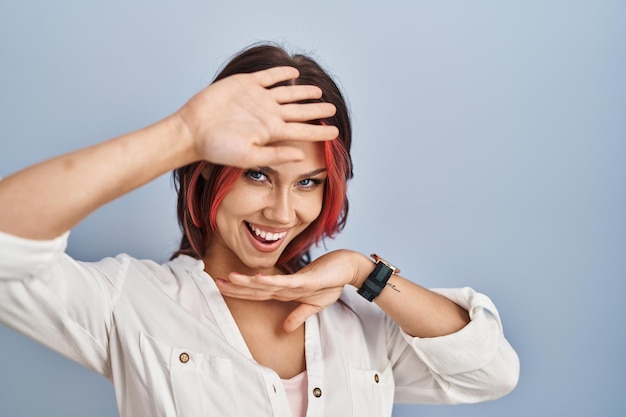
(376, 281)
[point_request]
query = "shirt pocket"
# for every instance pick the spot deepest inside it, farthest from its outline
(372, 392)
(188, 383)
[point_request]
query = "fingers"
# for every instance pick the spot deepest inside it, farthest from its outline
(289, 95)
(274, 75)
(293, 93)
(248, 287)
(244, 293)
(265, 282)
(298, 316)
(275, 155)
(279, 154)
(306, 112)
(260, 287)
(308, 132)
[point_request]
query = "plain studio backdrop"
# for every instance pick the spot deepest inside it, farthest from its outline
(489, 150)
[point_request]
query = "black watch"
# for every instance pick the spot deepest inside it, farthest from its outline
(377, 280)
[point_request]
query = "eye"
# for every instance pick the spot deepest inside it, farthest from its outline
(310, 183)
(256, 176)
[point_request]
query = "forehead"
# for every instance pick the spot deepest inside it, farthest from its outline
(313, 157)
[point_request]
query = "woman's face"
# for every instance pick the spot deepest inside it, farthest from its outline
(266, 209)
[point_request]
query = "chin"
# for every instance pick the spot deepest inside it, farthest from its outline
(259, 265)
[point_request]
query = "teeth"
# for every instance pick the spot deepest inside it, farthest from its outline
(267, 235)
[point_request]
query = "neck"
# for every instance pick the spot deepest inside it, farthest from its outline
(220, 268)
(220, 262)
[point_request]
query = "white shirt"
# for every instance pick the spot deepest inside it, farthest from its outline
(166, 339)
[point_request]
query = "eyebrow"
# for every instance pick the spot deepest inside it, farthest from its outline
(272, 171)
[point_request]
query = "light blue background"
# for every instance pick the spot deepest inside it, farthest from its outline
(489, 147)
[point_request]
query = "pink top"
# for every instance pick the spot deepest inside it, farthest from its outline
(296, 389)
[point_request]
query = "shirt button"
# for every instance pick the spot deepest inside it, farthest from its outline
(184, 357)
(376, 378)
(317, 392)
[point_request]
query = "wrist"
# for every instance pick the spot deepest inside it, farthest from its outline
(376, 280)
(184, 135)
(363, 268)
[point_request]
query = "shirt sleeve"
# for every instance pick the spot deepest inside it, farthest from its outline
(474, 364)
(62, 303)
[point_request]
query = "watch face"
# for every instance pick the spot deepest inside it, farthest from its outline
(381, 260)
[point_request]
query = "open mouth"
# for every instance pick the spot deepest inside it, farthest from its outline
(264, 236)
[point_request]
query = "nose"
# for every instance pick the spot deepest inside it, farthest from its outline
(280, 207)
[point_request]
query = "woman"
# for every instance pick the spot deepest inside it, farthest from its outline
(239, 322)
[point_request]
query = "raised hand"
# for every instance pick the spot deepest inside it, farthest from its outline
(239, 121)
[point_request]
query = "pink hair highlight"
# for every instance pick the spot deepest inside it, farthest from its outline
(191, 192)
(224, 183)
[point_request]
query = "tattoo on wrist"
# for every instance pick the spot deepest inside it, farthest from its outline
(393, 286)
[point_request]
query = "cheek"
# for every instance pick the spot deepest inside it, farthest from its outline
(230, 208)
(240, 200)
(312, 207)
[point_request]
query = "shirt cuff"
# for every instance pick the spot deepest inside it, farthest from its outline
(21, 257)
(468, 349)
